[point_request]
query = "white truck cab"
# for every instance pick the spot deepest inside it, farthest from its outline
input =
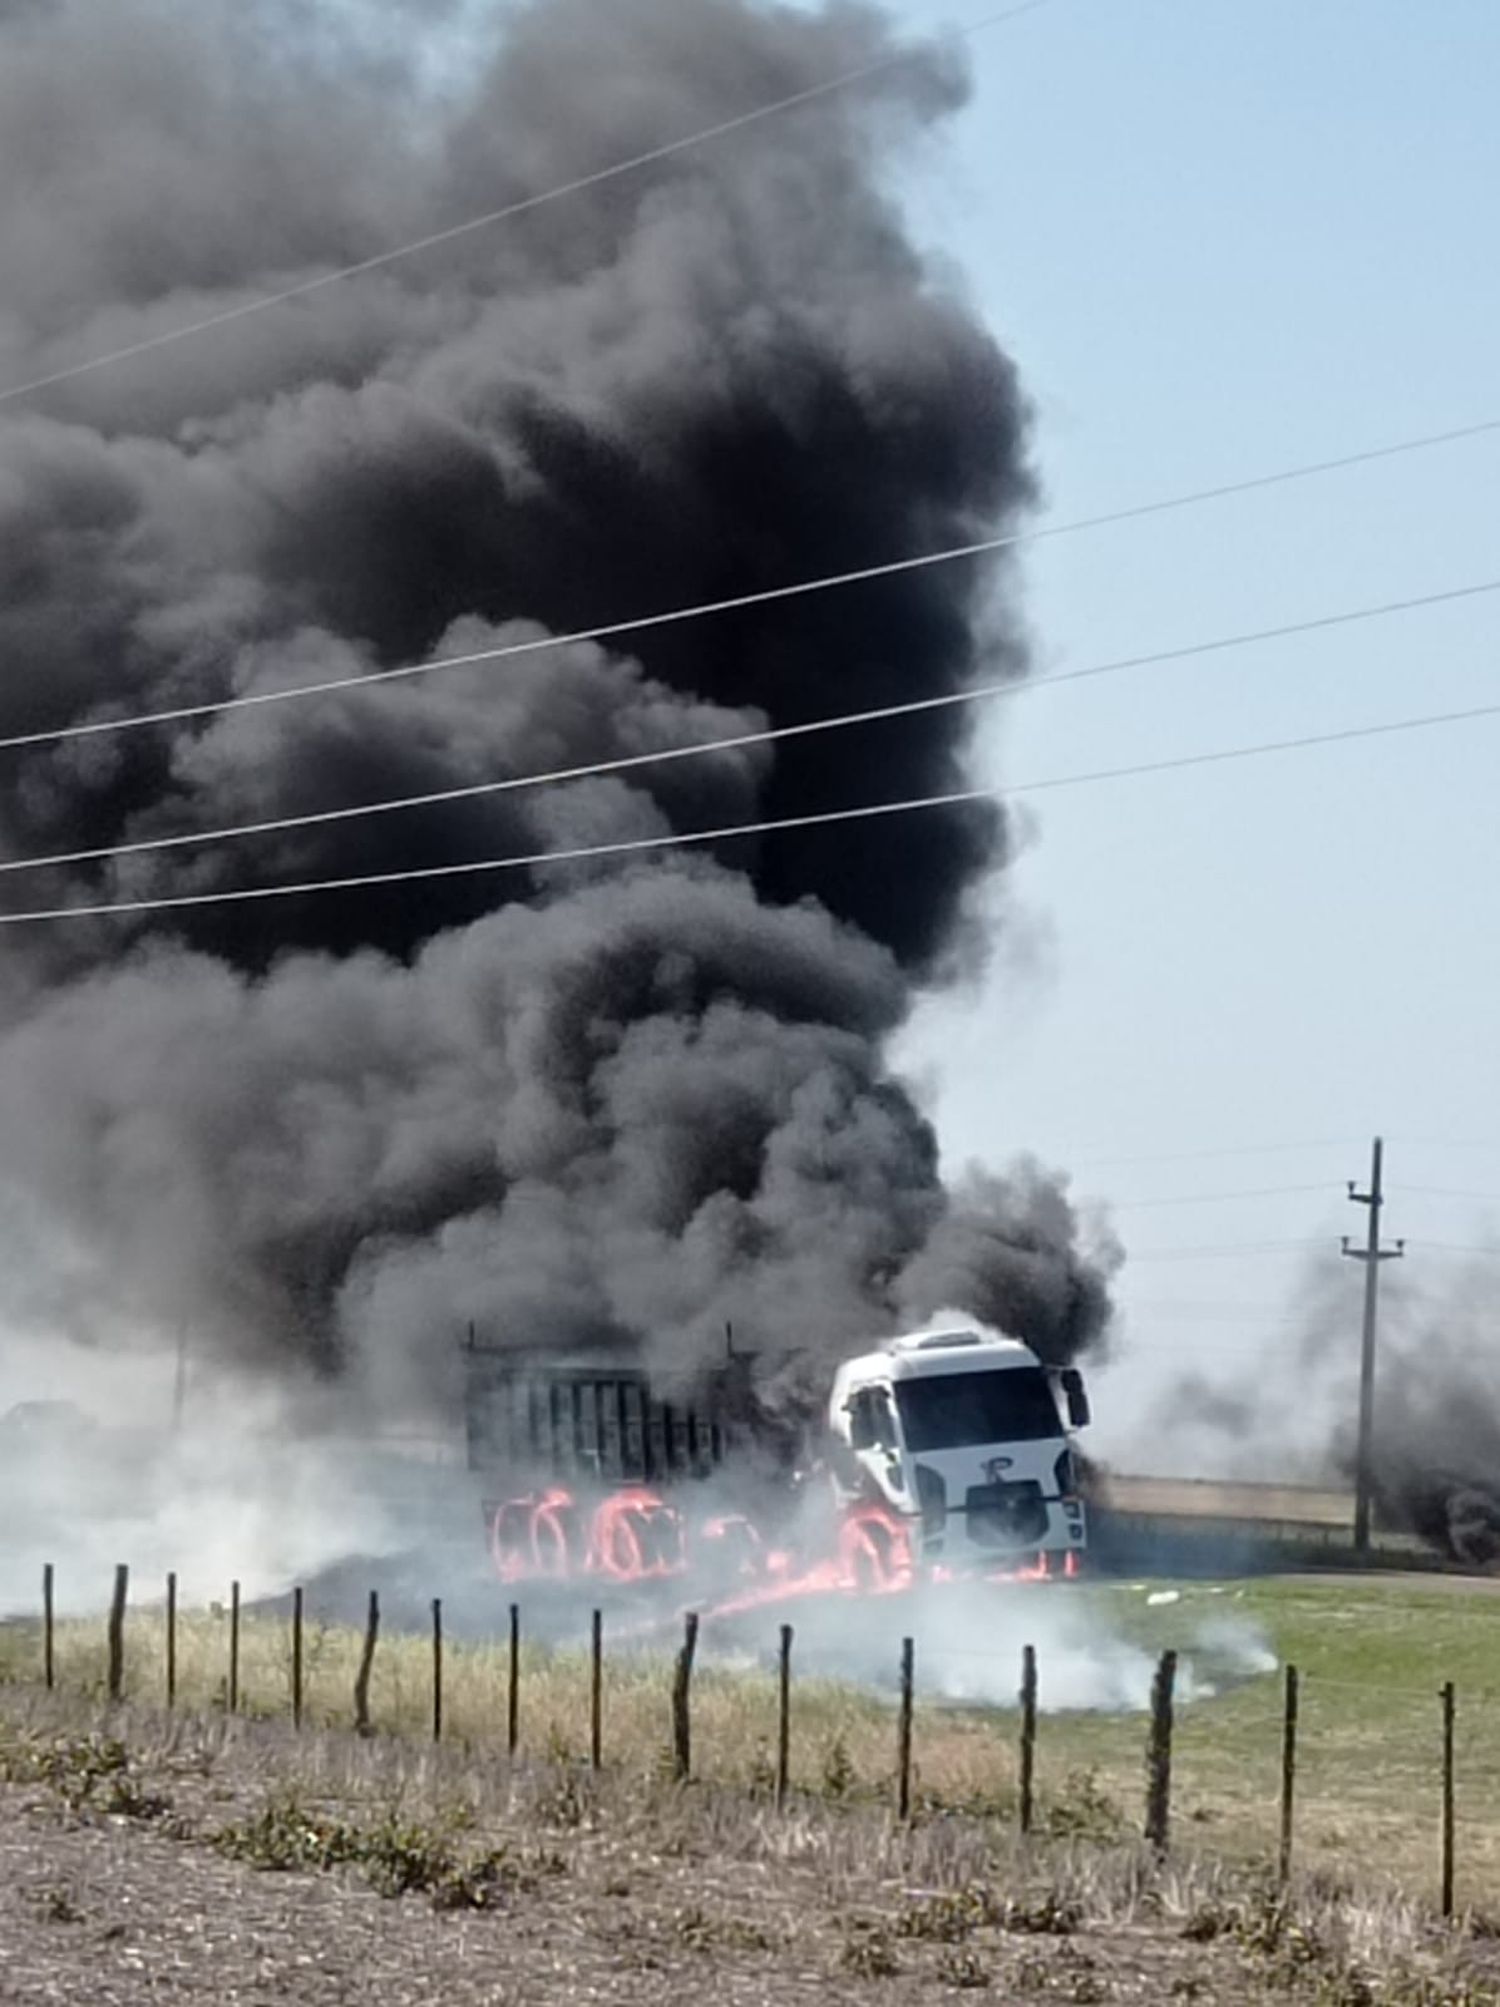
(969, 1437)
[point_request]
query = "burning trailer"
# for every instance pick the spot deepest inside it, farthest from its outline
(942, 1455)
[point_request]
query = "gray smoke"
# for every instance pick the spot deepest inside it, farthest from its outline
(1436, 1463)
(576, 1106)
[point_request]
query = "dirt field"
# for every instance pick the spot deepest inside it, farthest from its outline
(228, 1863)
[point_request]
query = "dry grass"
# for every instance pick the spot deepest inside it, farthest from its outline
(843, 1745)
(640, 1881)
(1368, 1781)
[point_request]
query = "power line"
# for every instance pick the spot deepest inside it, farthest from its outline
(1204, 1156)
(1224, 1306)
(800, 588)
(1148, 1313)
(682, 839)
(1445, 1192)
(732, 742)
(630, 165)
(1216, 1198)
(1448, 1143)
(1210, 1251)
(1451, 1247)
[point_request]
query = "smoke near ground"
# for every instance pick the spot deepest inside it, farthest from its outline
(1293, 1415)
(1098, 1651)
(577, 1107)
(1437, 1419)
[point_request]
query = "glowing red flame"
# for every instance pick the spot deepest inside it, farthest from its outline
(535, 1535)
(636, 1537)
(875, 1551)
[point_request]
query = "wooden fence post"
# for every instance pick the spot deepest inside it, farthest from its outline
(366, 1666)
(49, 1662)
(297, 1656)
(513, 1698)
(171, 1640)
(117, 1632)
(596, 1692)
(784, 1718)
(1449, 1709)
(1288, 1772)
(682, 1679)
(903, 1730)
(1159, 1753)
(1028, 1735)
(437, 1669)
(234, 1648)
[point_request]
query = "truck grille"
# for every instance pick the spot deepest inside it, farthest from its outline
(1005, 1515)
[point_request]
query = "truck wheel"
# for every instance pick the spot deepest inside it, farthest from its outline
(554, 1540)
(510, 1539)
(875, 1554)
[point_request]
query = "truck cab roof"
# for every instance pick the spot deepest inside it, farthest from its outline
(927, 1353)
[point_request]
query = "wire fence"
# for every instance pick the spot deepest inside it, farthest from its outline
(1288, 1767)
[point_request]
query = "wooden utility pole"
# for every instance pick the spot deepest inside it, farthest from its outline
(1372, 1254)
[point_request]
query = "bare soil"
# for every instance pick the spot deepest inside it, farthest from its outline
(106, 1910)
(115, 1889)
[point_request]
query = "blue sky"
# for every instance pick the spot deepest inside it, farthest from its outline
(1222, 238)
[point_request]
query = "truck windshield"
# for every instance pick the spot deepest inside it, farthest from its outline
(958, 1410)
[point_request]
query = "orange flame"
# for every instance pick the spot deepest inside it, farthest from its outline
(636, 1537)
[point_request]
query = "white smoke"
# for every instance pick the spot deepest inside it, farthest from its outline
(969, 1640)
(93, 1473)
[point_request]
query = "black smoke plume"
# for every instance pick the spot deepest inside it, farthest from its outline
(578, 1107)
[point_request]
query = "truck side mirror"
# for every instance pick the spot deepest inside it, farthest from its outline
(1079, 1412)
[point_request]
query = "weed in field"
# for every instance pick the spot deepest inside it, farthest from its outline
(1083, 1810)
(477, 1883)
(701, 1932)
(1188, 1986)
(948, 1918)
(868, 1953)
(283, 1837)
(838, 1770)
(963, 1969)
(395, 1857)
(1076, 1976)
(1047, 1915)
(761, 1782)
(90, 1772)
(564, 1804)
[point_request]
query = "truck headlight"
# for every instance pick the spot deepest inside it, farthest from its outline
(1066, 1475)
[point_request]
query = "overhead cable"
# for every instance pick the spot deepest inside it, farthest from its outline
(704, 609)
(732, 742)
(683, 839)
(167, 337)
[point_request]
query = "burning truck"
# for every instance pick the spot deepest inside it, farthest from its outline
(942, 1455)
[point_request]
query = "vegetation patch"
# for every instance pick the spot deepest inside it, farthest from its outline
(394, 1857)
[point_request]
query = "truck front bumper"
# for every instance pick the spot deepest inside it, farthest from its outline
(986, 1531)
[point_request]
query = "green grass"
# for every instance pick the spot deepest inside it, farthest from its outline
(1372, 1657)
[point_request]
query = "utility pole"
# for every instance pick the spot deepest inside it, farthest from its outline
(1372, 1254)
